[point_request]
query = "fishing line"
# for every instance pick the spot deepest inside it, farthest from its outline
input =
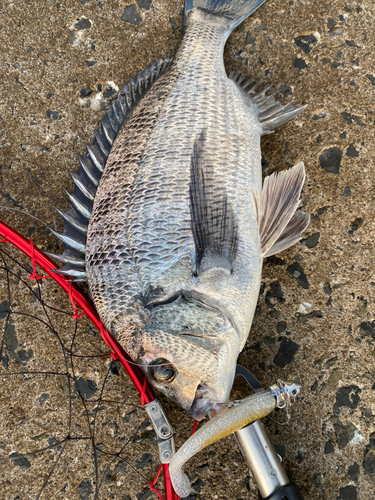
(23, 213)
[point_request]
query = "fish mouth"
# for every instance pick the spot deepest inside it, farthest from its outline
(205, 404)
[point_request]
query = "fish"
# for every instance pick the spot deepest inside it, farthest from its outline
(169, 221)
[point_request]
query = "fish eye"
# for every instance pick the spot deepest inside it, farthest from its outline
(162, 371)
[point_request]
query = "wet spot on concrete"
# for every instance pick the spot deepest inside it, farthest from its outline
(352, 152)
(348, 493)
(131, 15)
(250, 39)
(303, 318)
(265, 163)
(285, 90)
(353, 472)
(347, 396)
(298, 273)
(328, 448)
(319, 116)
(20, 460)
(85, 92)
(144, 494)
(5, 361)
(332, 362)
(331, 23)
(369, 458)
(344, 433)
(197, 485)
(312, 240)
(257, 346)
(276, 261)
(277, 291)
(53, 115)
(274, 295)
(325, 61)
(315, 386)
(120, 468)
(367, 329)
(286, 352)
(351, 43)
(4, 309)
(115, 367)
(349, 118)
(202, 468)
(144, 4)
(175, 25)
(83, 24)
(300, 64)
(20, 356)
(299, 456)
(281, 327)
(280, 450)
(355, 225)
(145, 435)
(43, 398)
(306, 42)
(86, 489)
(338, 30)
(91, 332)
(318, 484)
(335, 377)
(330, 160)
(86, 388)
(145, 460)
(369, 463)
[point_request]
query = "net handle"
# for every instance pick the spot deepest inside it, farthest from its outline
(136, 375)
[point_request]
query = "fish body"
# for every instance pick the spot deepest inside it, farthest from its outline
(179, 224)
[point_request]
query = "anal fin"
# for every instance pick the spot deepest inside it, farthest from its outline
(280, 223)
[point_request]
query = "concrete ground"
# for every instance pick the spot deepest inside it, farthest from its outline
(61, 63)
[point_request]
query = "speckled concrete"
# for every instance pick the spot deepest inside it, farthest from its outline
(60, 63)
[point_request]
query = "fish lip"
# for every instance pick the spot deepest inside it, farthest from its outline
(197, 412)
(203, 403)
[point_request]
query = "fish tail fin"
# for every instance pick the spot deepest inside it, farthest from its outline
(234, 11)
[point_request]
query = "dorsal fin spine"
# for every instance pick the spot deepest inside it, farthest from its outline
(102, 141)
(90, 169)
(87, 177)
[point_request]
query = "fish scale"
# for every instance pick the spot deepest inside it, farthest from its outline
(179, 224)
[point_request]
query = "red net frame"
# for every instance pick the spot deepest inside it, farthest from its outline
(77, 298)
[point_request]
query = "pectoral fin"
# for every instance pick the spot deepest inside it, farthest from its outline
(280, 224)
(213, 220)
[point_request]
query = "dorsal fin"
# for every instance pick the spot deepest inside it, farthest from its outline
(87, 177)
(271, 113)
(280, 223)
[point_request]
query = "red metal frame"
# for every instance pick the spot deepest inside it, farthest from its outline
(137, 376)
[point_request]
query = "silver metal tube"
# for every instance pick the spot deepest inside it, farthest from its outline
(261, 457)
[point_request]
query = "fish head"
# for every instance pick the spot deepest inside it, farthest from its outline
(195, 372)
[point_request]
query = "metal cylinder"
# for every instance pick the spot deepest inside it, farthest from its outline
(261, 457)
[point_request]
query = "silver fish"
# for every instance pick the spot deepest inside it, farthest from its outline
(177, 223)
